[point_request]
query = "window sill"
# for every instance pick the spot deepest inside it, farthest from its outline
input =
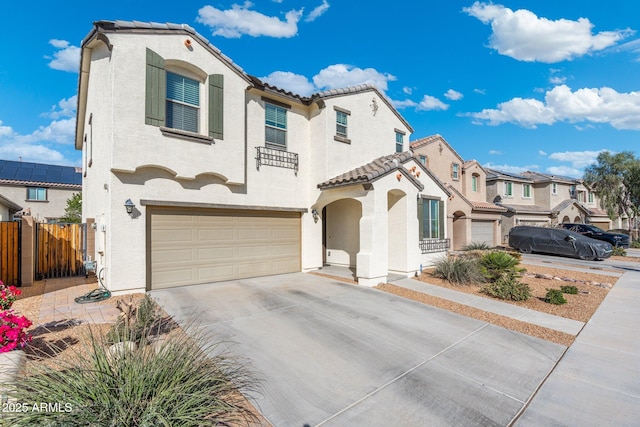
(36, 201)
(188, 136)
(341, 139)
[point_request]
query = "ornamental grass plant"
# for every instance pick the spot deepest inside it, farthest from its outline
(180, 378)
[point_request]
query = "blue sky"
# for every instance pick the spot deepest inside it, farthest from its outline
(517, 85)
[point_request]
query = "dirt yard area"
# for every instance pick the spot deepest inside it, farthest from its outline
(578, 307)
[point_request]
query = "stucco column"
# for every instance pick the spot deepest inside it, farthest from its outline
(372, 261)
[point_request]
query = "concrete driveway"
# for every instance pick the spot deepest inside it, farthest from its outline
(335, 354)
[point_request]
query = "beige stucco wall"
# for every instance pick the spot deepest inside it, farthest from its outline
(53, 207)
(440, 163)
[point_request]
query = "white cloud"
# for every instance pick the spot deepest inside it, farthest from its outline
(239, 20)
(65, 108)
(495, 152)
(604, 105)
(343, 75)
(557, 80)
(633, 47)
(524, 36)
(318, 11)
(511, 168)
(32, 147)
(565, 171)
(578, 159)
(480, 91)
(453, 95)
(407, 103)
(542, 153)
(292, 82)
(431, 103)
(407, 90)
(65, 59)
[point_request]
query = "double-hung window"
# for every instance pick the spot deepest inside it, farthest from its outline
(183, 103)
(424, 160)
(431, 219)
(590, 197)
(275, 127)
(399, 142)
(341, 123)
(508, 189)
(474, 183)
(38, 194)
(554, 188)
(526, 191)
(455, 171)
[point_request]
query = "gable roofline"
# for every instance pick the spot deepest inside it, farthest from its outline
(478, 206)
(494, 175)
(544, 177)
(566, 203)
(431, 139)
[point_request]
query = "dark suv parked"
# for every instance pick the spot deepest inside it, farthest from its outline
(616, 239)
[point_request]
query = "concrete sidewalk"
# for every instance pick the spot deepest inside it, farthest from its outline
(550, 321)
(597, 382)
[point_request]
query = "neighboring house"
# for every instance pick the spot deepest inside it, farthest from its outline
(36, 189)
(228, 177)
(534, 198)
(470, 216)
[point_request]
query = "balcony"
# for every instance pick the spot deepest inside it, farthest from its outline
(428, 246)
(278, 158)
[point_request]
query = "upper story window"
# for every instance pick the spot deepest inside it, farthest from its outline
(341, 123)
(275, 127)
(424, 160)
(455, 171)
(526, 191)
(508, 188)
(173, 101)
(554, 188)
(399, 141)
(38, 194)
(590, 197)
(183, 103)
(475, 182)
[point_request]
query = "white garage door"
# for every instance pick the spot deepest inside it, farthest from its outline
(190, 247)
(482, 232)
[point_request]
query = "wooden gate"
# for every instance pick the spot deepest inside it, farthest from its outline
(10, 252)
(60, 250)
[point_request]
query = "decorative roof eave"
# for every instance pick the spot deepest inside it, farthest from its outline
(524, 210)
(373, 171)
(566, 203)
(40, 184)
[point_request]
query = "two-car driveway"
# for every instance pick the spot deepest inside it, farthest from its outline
(331, 353)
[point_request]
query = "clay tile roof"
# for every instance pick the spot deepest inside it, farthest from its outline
(533, 209)
(487, 206)
(598, 212)
(372, 171)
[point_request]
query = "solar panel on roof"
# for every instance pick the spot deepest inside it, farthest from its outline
(23, 175)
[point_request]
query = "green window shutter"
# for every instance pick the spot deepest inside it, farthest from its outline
(443, 218)
(216, 106)
(156, 88)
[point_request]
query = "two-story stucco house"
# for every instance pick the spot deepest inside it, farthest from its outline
(36, 189)
(227, 177)
(534, 198)
(471, 218)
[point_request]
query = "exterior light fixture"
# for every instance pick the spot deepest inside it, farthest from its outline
(128, 205)
(314, 212)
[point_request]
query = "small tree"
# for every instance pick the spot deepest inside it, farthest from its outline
(73, 211)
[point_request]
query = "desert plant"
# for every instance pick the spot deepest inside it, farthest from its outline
(184, 380)
(554, 296)
(134, 322)
(458, 270)
(476, 246)
(497, 264)
(618, 251)
(569, 290)
(508, 288)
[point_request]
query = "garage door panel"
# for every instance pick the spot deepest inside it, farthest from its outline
(482, 232)
(220, 245)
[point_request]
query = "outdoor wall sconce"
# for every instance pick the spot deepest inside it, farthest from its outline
(129, 205)
(314, 212)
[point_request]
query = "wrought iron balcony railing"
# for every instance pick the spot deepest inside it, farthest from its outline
(279, 158)
(428, 246)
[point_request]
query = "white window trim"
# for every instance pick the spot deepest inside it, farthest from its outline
(509, 184)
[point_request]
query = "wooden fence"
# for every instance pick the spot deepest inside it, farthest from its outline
(60, 250)
(10, 252)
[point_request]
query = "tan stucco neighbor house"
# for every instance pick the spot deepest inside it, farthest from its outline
(198, 172)
(470, 216)
(539, 199)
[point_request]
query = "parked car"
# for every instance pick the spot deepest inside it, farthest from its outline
(616, 239)
(558, 241)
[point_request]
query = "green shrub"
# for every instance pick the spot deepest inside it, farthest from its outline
(569, 290)
(554, 296)
(476, 246)
(618, 251)
(508, 288)
(183, 379)
(635, 244)
(497, 264)
(458, 270)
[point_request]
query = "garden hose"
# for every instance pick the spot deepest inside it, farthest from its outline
(95, 295)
